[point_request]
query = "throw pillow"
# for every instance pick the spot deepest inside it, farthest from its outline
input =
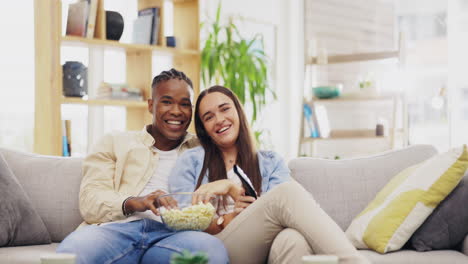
(406, 201)
(447, 226)
(20, 224)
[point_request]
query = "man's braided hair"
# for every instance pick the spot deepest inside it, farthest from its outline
(169, 75)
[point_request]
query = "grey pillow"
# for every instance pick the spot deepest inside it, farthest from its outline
(19, 222)
(447, 226)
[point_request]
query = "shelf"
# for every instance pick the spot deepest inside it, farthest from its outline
(104, 102)
(353, 99)
(343, 58)
(80, 41)
(348, 134)
(309, 139)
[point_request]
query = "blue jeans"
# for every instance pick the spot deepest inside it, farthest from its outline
(143, 241)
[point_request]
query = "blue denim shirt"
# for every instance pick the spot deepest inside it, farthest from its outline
(184, 175)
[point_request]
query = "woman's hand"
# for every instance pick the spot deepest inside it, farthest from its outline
(243, 202)
(221, 187)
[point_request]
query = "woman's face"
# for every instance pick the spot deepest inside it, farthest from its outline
(220, 119)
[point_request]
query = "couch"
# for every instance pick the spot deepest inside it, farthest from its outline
(343, 188)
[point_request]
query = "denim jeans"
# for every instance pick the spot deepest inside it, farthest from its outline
(143, 241)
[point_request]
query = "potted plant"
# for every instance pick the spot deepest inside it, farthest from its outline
(237, 63)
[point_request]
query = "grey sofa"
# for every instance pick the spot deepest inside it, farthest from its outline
(343, 188)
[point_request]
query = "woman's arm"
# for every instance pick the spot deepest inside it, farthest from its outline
(219, 187)
(184, 175)
(222, 187)
(275, 169)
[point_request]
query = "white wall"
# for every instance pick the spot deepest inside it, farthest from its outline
(17, 75)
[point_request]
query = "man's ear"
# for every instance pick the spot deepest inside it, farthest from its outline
(150, 106)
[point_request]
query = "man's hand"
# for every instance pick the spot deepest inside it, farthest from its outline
(148, 202)
(219, 187)
(243, 202)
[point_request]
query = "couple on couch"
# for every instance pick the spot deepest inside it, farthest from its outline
(126, 172)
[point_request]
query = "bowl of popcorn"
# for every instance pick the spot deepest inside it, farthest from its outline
(187, 210)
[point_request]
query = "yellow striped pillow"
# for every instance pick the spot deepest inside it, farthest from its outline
(406, 201)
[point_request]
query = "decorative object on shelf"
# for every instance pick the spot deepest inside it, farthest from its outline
(379, 130)
(327, 92)
(380, 127)
(368, 87)
(114, 91)
(171, 41)
(236, 62)
(114, 25)
(75, 79)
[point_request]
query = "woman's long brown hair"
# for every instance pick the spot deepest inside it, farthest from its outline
(247, 158)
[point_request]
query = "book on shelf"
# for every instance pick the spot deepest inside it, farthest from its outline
(66, 138)
(113, 91)
(77, 19)
(156, 22)
(310, 128)
(142, 29)
(91, 25)
(316, 123)
(322, 120)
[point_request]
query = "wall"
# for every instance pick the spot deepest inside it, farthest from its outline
(17, 75)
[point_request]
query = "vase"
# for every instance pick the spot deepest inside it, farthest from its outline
(114, 25)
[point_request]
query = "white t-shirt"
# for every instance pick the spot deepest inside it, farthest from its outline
(159, 181)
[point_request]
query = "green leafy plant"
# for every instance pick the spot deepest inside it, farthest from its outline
(237, 63)
(187, 258)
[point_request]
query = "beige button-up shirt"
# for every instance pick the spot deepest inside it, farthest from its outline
(119, 166)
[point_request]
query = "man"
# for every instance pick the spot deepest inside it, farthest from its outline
(123, 177)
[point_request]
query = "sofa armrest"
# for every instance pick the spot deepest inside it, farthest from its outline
(464, 248)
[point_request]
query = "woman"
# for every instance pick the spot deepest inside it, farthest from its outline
(228, 164)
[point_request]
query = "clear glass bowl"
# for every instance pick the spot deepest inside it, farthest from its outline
(178, 213)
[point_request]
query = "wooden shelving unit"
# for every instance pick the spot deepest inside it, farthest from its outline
(344, 58)
(126, 103)
(80, 41)
(139, 60)
(353, 134)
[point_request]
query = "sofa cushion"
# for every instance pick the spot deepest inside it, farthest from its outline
(414, 257)
(447, 226)
(406, 201)
(53, 184)
(26, 254)
(19, 222)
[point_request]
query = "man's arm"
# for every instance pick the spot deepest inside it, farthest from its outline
(99, 202)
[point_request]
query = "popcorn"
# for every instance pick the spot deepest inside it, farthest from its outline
(195, 217)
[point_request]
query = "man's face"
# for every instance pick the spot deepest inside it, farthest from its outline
(171, 107)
